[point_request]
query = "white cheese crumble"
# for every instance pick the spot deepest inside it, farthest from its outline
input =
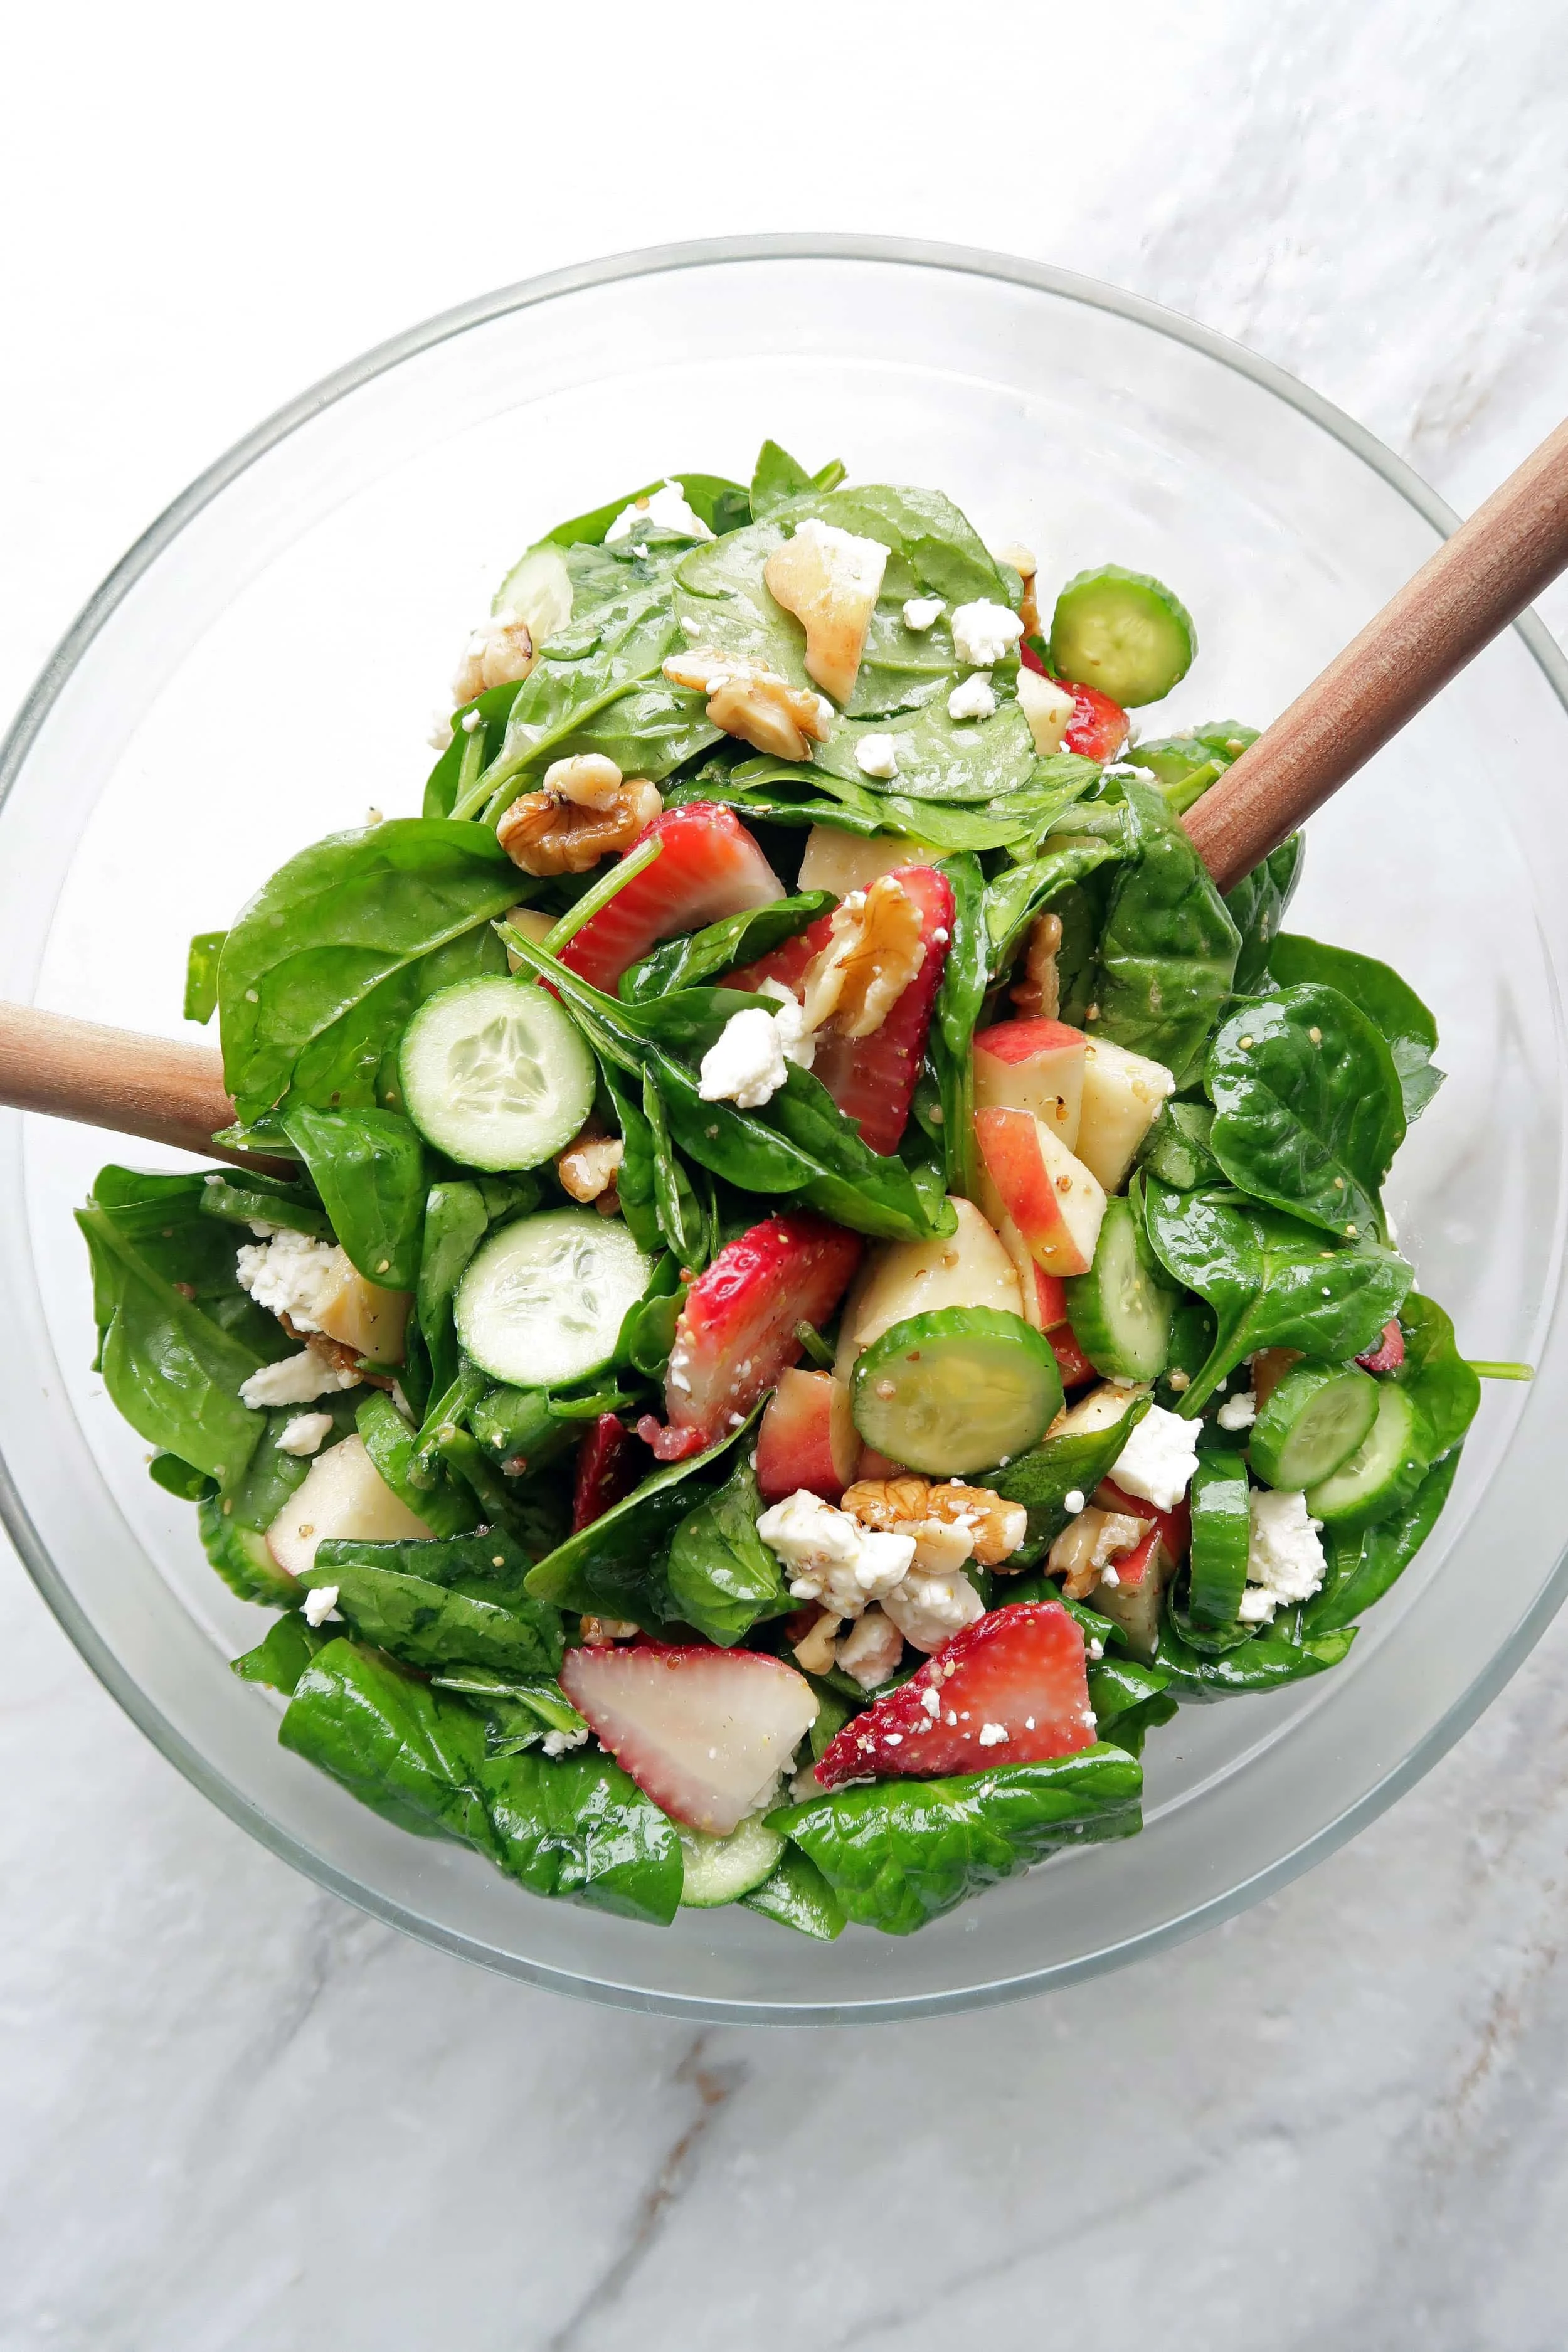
(798, 1042)
(992, 1735)
(922, 613)
(560, 1743)
(1073, 1502)
(667, 509)
(305, 1432)
(973, 700)
(1239, 1412)
(293, 1276)
(853, 564)
(871, 1648)
(1159, 1458)
(830, 1556)
(929, 1610)
(745, 1064)
(298, 1380)
(984, 633)
(322, 1605)
(1284, 1557)
(878, 755)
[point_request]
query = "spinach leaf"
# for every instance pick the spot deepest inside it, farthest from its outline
(687, 961)
(344, 922)
(456, 1222)
(445, 1509)
(709, 497)
(1177, 1148)
(722, 1577)
(519, 1711)
(201, 975)
(1256, 907)
(959, 997)
(647, 730)
(369, 1169)
(1308, 1111)
(797, 1896)
(1059, 1466)
(1363, 1565)
(934, 546)
(579, 1827)
(901, 1853)
(940, 759)
(635, 1183)
(1016, 896)
(181, 1478)
(1270, 1281)
(280, 1659)
(648, 1334)
(272, 1474)
(532, 1509)
(790, 794)
(679, 1211)
(1129, 1699)
(1168, 953)
(459, 1623)
(777, 478)
(1406, 1024)
(163, 1219)
(614, 1568)
(517, 1425)
(480, 1557)
(244, 1203)
(1442, 1387)
(1276, 1655)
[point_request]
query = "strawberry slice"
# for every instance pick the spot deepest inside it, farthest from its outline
(708, 867)
(606, 1471)
(872, 1080)
(703, 1732)
(1175, 1529)
(736, 1332)
(1019, 1671)
(1389, 1352)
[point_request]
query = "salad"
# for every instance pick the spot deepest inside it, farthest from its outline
(807, 1280)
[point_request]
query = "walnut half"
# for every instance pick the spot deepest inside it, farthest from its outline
(874, 949)
(1038, 994)
(991, 1527)
(753, 703)
(547, 832)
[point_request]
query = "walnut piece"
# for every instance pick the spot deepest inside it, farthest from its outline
(598, 1632)
(500, 651)
(753, 703)
(874, 949)
(1023, 564)
(1089, 1543)
(590, 781)
(587, 1168)
(830, 580)
(1038, 993)
(813, 1655)
(991, 1528)
(545, 833)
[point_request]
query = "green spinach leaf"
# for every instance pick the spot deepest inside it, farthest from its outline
(1168, 952)
(778, 479)
(453, 1623)
(201, 975)
(722, 1577)
(699, 956)
(1043, 1478)
(614, 1566)
(797, 1896)
(1362, 1566)
(519, 1711)
(445, 1508)
(369, 1169)
(1256, 907)
(1129, 1700)
(1406, 1024)
(1442, 1387)
(282, 1656)
(1276, 1655)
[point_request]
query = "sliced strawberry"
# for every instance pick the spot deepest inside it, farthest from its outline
(806, 1438)
(736, 1332)
(872, 1080)
(1098, 728)
(1071, 1362)
(1175, 1529)
(606, 1471)
(708, 867)
(1031, 659)
(1389, 1352)
(703, 1732)
(1021, 1669)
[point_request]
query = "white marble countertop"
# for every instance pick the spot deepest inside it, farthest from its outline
(234, 2113)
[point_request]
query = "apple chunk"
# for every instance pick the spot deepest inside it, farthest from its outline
(1045, 1295)
(361, 1314)
(1032, 1065)
(807, 1438)
(1051, 1197)
(968, 1268)
(343, 1494)
(1121, 1096)
(842, 862)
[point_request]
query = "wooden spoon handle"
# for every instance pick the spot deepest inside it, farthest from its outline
(1476, 583)
(156, 1088)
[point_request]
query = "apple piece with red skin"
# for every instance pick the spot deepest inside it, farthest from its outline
(1135, 1602)
(1174, 1528)
(1044, 1294)
(703, 1732)
(807, 1438)
(1034, 1066)
(1071, 1362)
(1056, 1204)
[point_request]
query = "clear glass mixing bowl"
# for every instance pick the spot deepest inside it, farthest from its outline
(263, 665)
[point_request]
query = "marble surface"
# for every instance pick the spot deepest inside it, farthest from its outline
(234, 2113)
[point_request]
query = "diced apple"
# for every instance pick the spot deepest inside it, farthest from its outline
(1099, 1410)
(534, 924)
(1048, 707)
(873, 1464)
(807, 1438)
(969, 1268)
(1032, 1065)
(1045, 1295)
(842, 862)
(1052, 1198)
(343, 1494)
(1121, 1096)
(364, 1317)
(1136, 1600)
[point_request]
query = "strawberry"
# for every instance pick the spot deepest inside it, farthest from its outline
(709, 867)
(606, 1471)
(1021, 1669)
(1071, 1362)
(807, 1438)
(736, 1332)
(872, 1080)
(1175, 1529)
(1098, 728)
(703, 1732)
(1389, 1352)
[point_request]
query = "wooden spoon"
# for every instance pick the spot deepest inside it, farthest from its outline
(1461, 598)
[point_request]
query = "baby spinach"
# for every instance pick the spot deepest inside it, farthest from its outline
(933, 546)
(1308, 1111)
(181, 1478)
(1129, 1700)
(324, 962)
(446, 1509)
(1043, 1478)
(1177, 1148)
(679, 1211)
(456, 1222)
(1362, 1565)
(778, 479)
(722, 1577)
(711, 496)
(647, 730)
(518, 1424)
(579, 1828)
(635, 1186)
(519, 1711)
(797, 1896)
(201, 975)
(940, 757)
(282, 1656)
(1406, 1024)
(1285, 1652)
(1016, 896)
(1270, 1281)
(1167, 955)
(455, 1622)
(471, 748)
(1256, 907)
(699, 956)
(957, 1009)
(1442, 1386)
(614, 1566)
(241, 1202)
(369, 1169)
(899, 1853)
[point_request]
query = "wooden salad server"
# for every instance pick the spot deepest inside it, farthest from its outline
(1466, 594)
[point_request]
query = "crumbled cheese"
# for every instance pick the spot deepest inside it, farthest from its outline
(1073, 1502)
(973, 700)
(472, 721)
(984, 633)
(745, 1064)
(1284, 1557)
(929, 1610)
(931, 1702)
(1239, 1412)
(798, 1042)
(293, 1276)
(878, 755)
(667, 510)
(992, 1735)
(440, 734)
(560, 1743)
(322, 1605)
(1159, 1458)
(871, 1649)
(298, 1380)
(305, 1434)
(830, 1556)
(922, 613)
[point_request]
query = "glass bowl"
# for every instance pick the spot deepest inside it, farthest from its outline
(263, 665)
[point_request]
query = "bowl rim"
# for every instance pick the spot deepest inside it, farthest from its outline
(648, 262)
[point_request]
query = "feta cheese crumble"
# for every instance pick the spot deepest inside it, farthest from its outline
(798, 1042)
(667, 510)
(1239, 1412)
(992, 1735)
(974, 699)
(745, 1064)
(297, 1380)
(1159, 1458)
(984, 633)
(293, 1275)
(1073, 1502)
(830, 1556)
(560, 1743)
(929, 1610)
(322, 1605)
(871, 1648)
(1284, 1557)
(922, 613)
(878, 755)
(305, 1432)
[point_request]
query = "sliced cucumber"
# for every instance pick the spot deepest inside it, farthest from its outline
(543, 1300)
(956, 1390)
(1222, 1521)
(1382, 1474)
(539, 587)
(1314, 1421)
(1120, 1314)
(722, 1869)
(1122, 633)
(495, 1074)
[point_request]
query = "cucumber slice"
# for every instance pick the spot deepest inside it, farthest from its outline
(496, 1073)
(956, 1390)
(1382, 1474)
(722, 1869)
(1312, 1423)
(1221, 1527)
(543, 1300)
(1122, 633)
(1120, 1314)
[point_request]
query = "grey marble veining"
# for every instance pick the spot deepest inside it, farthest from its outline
(234, 2113)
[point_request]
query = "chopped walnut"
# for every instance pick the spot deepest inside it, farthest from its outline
(598, 1632)
(1022, 559)
(1089, 1544)
(335, 1352)
(545, 835)
(587, 1168)
(1038, 993)
(813, 1655)
(753, 703)
(830, 580)
(590, 781)
(991, 1527)
(500, 651)
(874, 949)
